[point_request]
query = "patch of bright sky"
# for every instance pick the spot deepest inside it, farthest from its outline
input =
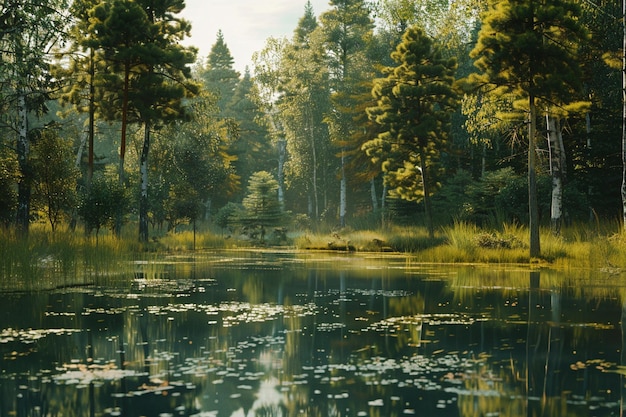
(246, 24)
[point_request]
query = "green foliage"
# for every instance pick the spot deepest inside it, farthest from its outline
(261, 208)
(518, 37)
(219, 76)
(310, 93)
(415, 101)
(8, 176)
(252, 147)
(495, 240)
(226, 216)
(55, 176)
(100, 204)
(191, 162)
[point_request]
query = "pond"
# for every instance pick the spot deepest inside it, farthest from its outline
(290, 334)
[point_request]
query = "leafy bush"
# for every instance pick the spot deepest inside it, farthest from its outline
(497, 241)
(100, 205)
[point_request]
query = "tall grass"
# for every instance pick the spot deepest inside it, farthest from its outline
(187, 240)
(45, 260)
(595, 246)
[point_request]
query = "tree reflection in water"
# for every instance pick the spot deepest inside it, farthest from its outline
(337, 335)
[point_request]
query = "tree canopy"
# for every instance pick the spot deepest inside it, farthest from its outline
(354, 117)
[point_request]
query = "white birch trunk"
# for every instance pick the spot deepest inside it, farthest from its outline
(23, 153)
(383, 203)
(282, 154)
(373, 195)
(316, 205)
(556, 206)
(143, 197)
(343, 192)
(81, 149)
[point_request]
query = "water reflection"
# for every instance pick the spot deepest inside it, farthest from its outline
(288, 335)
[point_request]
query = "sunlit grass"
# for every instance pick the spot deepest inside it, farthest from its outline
(595, 246)
(70, 257)
(347, 239)
(188, 241)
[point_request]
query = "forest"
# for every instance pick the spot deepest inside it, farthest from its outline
(373, 112)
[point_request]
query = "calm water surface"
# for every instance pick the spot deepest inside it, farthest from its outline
(258, 334)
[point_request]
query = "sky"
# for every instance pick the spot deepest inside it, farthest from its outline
(246, 24)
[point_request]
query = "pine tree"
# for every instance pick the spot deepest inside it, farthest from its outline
(219, 75)
(526, 48)
(302, 105)
(347, 30)
(414, 104)
(119, 31)
(159, 92)
(80, 76)
(252, 147)
(261, 206)
(149, 71)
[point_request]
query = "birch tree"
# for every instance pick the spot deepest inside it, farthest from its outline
(149, 72)
(302, 103)
(347, 29)
(30, 32)
(159, 91)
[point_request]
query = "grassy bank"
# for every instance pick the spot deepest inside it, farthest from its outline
(46, 260)
(575, 247)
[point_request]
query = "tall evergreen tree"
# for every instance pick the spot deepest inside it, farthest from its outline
(219, 74)
(159, 91)
(302, 105)
(414, 104)
(524, 48)
(80, 74)
(347, 29)
(252, 147)
(120, 31)
(148, 73)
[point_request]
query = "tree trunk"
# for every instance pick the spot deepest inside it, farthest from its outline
(314, 173)
(624, 115)
(118, 220)
(343, 192)
(143, 197)
(533, 207)
(373, 195)
(23, 151)
(426, 189)
(589, 187)
(282, 153)
(383, 204)
(556, 159)
(92, 115)
(81, 150)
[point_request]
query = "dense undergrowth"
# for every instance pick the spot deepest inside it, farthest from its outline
(45, 259)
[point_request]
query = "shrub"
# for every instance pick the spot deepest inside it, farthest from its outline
(497, 241)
